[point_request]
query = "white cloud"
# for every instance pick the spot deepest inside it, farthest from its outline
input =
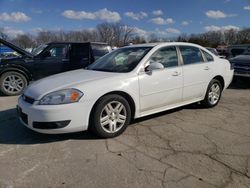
(157, 12)
(103, 14)
(141, 32)
(221, 28)
(162, 21)
(217, 14)
(185, 23)
(246, 7)
(14, 17)
(173, 31)
(12, 32)
(170, 32)
(37, 30)
(136, 16)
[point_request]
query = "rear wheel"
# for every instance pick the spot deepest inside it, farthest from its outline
(111, 116)
(12, 83)
(213, 94)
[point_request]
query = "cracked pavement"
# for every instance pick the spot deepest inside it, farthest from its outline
(184, 147)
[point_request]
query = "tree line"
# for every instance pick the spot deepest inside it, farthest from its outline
(117, 34)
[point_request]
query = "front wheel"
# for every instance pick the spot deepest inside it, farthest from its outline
(111, 116)
(213, 94)
(12, 83)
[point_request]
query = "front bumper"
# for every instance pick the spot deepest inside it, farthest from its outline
(68, 117)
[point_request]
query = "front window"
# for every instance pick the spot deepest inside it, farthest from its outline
(120, 60)
(167, 56)
(59, 51)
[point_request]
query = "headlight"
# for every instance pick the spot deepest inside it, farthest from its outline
(65, 96)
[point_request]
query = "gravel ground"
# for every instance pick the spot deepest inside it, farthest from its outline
(185, 147)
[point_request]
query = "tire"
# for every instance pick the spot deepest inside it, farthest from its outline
(12, 83)
(213, 94)
(110, 116)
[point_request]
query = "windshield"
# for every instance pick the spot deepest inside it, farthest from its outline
(120, 60)
(39, 49)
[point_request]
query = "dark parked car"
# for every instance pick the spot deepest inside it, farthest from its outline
(215, 52)
(241, 64)
(236, 50)
(17, 70)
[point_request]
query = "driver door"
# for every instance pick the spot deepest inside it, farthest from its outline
(51, 61)
(161, 88)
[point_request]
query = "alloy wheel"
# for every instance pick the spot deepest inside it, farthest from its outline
(13, 84)
(113, 117)
(214, 93)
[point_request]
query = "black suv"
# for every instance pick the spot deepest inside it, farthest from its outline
(18, 67)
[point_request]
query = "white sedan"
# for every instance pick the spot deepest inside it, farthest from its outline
(130, 82)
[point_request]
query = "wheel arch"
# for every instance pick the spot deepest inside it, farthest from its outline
(121, 93)
(221, 80)
(12, 69)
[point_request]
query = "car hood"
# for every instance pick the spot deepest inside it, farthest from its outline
(16, 48)
(241, 59)
(64, 80)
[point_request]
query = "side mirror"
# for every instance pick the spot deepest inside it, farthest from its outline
(155, 66)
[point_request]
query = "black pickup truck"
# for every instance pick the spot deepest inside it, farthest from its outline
(18, 67)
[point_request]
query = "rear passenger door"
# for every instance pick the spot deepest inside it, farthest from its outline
(79, 56)
(196, 72)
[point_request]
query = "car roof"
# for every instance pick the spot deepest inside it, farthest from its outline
(95, 43)
(165, 44)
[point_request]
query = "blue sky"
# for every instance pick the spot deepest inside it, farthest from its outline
(162, 17)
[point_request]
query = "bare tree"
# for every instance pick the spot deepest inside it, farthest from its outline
(106, 33)
(24, 41)
(115, 34)
(137, 40)
(3, 35)
(243, 36)
(45, 37)
(154, 38)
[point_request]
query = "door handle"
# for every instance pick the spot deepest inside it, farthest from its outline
(206, 68)
(176, 73)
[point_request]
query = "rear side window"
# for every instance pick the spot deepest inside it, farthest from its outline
(167, 56)
(191, 55)
(208, 56)
(99, 50)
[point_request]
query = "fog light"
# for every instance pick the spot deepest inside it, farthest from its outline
(51, 125)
